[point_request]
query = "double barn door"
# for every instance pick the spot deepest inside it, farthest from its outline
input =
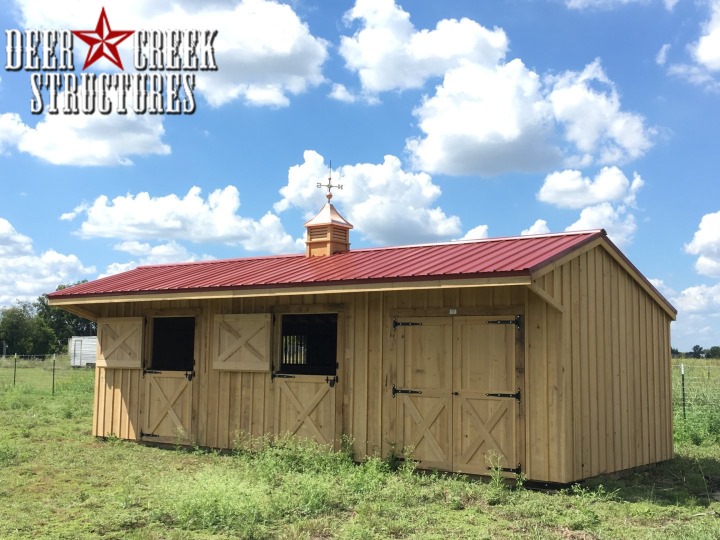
(457, 392)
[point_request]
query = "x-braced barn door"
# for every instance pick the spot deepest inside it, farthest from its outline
(486, 396)
(424, 390)
(305, 407)
(457, 392)
(168, 380)
(168, 401)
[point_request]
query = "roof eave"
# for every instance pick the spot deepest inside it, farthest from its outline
(292, 289)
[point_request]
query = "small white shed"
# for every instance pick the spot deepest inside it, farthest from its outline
(81, 350)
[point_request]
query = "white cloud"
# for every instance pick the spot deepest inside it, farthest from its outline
(617, 222)
(386, 204)
(264, 51)
(707, 50)
(485, 120)
(664, 289)
(706, 244)
(12, 129)
(489, 115)
(170, 252)
(570, 189)
(191, 218)
(12, 243)
(661, 56)
(87, 140)
(705, 54)
(698, 299)
(539, 227)
(697, 75)
(588, 106)
(25, 275)
(158, 254)
(388, 53)
(476, 233)
(341, 93)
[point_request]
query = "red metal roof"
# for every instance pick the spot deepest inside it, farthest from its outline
(490, 257)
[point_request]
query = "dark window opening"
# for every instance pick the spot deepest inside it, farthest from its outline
(309, 344)
(173, 344)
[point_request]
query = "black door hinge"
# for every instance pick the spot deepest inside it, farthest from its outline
(397, 323)
(514, 470)
(151, 371)
(517, 321)
(396, 391)
(143, 434)
(515, 395)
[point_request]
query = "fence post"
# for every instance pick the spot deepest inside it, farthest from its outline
(682, 379)
(53, 387)
(15, 370)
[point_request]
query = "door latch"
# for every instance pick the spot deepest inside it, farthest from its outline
(190, 375)
(331, 381)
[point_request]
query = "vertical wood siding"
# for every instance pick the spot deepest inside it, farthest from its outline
(601, 370)
(597, 372)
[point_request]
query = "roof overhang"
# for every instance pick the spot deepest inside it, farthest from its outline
(76, 301)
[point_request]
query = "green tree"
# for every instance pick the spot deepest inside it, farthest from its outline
(63, 324)
(17, 328)
(697, 351)
(713, 352)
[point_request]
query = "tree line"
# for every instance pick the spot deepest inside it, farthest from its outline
(698, 352)
(37, 328)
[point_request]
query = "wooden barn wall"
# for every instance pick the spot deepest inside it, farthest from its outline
(610, 399)
(228, 404)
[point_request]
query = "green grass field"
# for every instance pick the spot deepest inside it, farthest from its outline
(58, 482)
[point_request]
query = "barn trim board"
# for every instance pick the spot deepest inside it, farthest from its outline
(549, 355)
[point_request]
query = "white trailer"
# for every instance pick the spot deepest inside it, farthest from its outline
(82, 351)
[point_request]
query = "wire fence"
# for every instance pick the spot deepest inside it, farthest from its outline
(44, 371)
(695, 387)
(696, 399)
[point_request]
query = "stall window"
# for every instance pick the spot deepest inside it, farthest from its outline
(173, 343)
(309, 344)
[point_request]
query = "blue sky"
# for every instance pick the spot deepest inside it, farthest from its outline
(443, 120)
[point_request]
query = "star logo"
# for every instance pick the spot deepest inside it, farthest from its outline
(103, 42)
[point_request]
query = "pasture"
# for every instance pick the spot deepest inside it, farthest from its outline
(59, 482)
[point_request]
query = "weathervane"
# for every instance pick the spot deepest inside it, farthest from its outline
(329, 184)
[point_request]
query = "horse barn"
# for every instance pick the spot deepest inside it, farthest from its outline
(548, 354)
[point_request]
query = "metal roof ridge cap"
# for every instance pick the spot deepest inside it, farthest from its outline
(479, 240)
(598, 233)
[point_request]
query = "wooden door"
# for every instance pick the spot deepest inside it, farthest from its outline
(423, 391)
(485, 426)
(168, 406)
(305, 408)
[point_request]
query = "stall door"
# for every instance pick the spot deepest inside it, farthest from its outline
(168, 380)
(305, 407)
(485, 401)
(168, 400)
(424, 390)
(457, 403)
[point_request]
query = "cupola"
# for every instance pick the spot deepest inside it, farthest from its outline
(328, 232)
